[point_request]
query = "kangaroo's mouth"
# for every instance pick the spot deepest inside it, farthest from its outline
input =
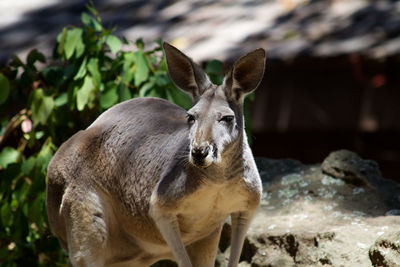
(202, 161)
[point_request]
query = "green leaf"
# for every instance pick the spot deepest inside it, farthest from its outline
(61, 100)
(110, 95)
(179, 97)
(28, 77)
(82, 70)
(140, 43)
(92, 9)
(91, 22)
(39, 134)
(114, 43)
(16, 62)
(41, 106)
(56, 75)
(4, 88)
(35, 210)
(214, 66)
(28, 165)
(34, 56)
(72, 91)
(25, 208)
(21, 193)
(80, 49)
(61, 41)
(144, 90)
(73, 43)
(93, 68)
(82, 97)
(127, 68)
(124, 93)
(155, 92)
(162, 79)
(8, 155)
(6, 214)
(45, 155)
(214, 69)
(12, 172)
(142, 68)
(14, 202)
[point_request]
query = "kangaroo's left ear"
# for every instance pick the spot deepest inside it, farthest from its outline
(245, 76)
(186, 74)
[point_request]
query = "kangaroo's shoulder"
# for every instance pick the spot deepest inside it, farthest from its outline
(145, 110)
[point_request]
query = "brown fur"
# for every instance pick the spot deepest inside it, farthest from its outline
(124, 192)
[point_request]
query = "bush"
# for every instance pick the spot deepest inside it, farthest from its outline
(88, 73)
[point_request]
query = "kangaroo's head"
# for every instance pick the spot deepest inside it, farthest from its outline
(216, 118)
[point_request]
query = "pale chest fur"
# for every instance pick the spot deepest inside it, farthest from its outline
(205, 209)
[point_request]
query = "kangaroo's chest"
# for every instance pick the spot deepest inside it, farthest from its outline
(206, 208)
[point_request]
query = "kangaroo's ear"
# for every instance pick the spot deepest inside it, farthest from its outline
(186, 74)
(246, 75)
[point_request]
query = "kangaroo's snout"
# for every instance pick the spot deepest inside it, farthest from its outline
(200, 152)
(201, 155)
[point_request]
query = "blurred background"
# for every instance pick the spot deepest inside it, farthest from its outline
(332, 81)
(332, 78)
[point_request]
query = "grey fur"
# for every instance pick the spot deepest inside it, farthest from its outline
(130, 190)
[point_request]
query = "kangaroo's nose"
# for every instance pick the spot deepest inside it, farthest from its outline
(200, 152)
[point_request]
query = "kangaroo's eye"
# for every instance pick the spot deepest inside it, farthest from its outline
(227, 119)
(190, 118)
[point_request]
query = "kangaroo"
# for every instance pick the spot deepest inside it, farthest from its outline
(148, 180)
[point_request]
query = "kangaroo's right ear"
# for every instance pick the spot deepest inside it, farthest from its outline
(245, 76)
(186, 74)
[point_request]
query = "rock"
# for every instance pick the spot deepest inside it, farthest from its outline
(270, 168)
(322, 215)
(385, 251)
(348, 166)
(352, 169)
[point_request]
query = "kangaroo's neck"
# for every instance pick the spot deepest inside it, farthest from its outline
(233, 156)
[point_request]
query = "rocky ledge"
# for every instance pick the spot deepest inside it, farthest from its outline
(339, 213)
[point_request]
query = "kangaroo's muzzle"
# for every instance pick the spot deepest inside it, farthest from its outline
(201, 155)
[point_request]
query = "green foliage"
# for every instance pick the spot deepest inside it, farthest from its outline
(5, 88)
(89, 73)
(214, 69)
(8, 155)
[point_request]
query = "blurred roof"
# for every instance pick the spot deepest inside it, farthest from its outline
(219, 29)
